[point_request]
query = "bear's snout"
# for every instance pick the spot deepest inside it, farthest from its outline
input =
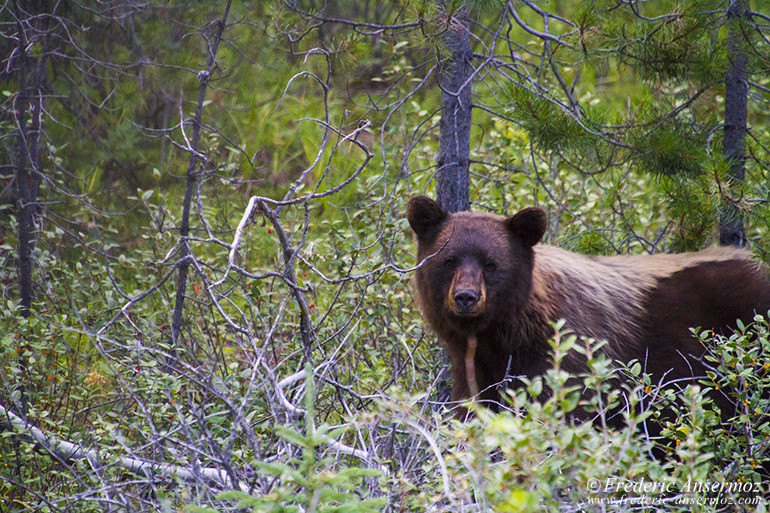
(467, 294)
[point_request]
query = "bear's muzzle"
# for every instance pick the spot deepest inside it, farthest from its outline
(467, 294)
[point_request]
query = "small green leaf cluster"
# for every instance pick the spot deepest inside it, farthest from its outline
(739, 371)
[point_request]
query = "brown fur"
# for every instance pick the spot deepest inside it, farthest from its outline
(644, 306)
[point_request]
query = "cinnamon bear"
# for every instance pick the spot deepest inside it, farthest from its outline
(486, 281)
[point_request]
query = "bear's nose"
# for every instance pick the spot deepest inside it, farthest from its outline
(466, 299)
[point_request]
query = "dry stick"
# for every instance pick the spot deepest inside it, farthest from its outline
(470, 365)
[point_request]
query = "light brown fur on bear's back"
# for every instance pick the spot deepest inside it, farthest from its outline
(603, 297)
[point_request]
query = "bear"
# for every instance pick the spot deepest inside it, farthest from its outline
(491, 292)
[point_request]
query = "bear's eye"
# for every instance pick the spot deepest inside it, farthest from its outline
(490, 266)
(449, 262)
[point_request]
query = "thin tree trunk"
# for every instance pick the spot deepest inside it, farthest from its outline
(26, 159)
(736, 93)
(452, 186)
(25, 202)
(193, 175)
(452, 182)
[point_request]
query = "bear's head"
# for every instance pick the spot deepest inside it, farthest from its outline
(474, 268)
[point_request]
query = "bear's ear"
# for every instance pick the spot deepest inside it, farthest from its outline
(528, 225)
(424, 214)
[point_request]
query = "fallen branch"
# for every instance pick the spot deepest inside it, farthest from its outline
(64, 450)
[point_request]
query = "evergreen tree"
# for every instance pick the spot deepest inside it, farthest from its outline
(683, 70)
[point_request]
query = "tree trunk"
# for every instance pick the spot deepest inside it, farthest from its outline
(452, 186)
(452, 182)
(736, 93)
(28, 112)
(26, 206)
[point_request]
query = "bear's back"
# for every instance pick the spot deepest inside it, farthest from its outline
(648, 303)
